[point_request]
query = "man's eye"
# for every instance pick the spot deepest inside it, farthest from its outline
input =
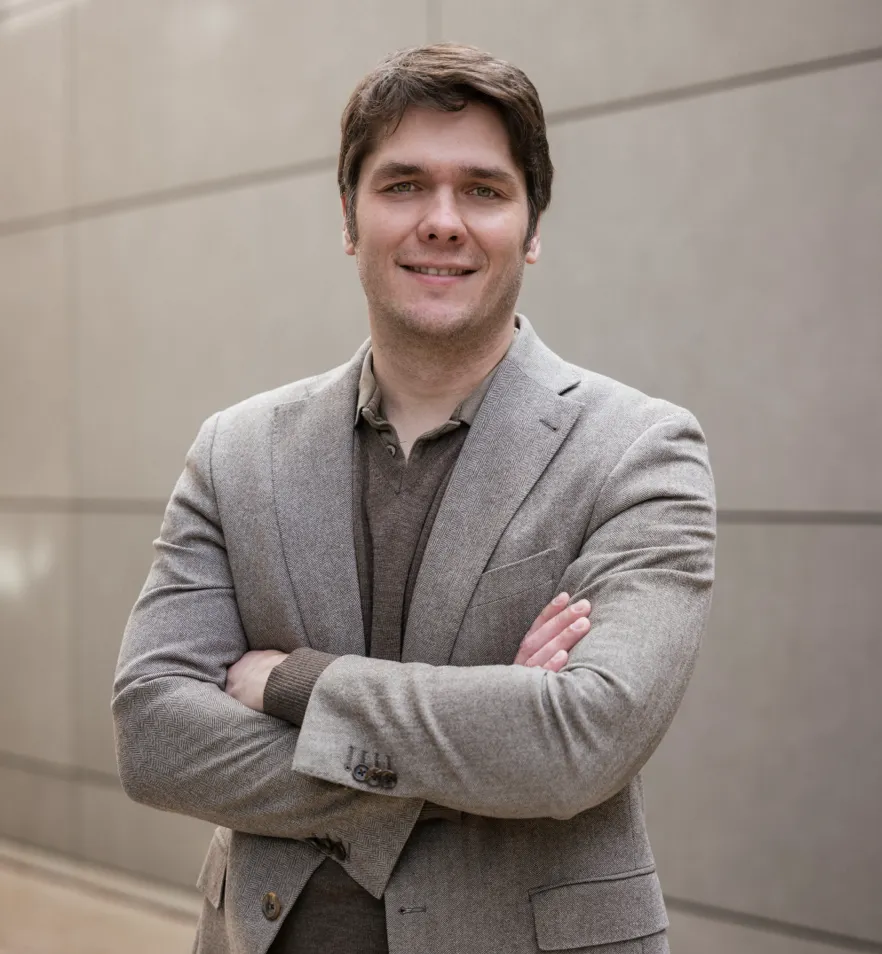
(401, 187)
(484, 192)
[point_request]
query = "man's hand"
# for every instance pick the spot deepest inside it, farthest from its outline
(554, 633)
(547, 644)
(246, 679)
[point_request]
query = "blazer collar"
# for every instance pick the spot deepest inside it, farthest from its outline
(519, 427)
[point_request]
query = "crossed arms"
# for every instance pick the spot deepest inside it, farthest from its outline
(509, 741)
(547, 644)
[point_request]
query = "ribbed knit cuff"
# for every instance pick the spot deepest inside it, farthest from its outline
(431, 811)
(289, 686)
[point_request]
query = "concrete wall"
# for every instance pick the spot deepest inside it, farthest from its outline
(169, 243)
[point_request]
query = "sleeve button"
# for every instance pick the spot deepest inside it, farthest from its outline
(360, 772)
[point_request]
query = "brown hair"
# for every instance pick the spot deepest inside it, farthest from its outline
(445, 76)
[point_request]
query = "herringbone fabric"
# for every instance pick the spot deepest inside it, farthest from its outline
(568, 480)
(395, 501)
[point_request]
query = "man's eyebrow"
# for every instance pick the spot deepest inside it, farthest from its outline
(493, 173)
(395, 170)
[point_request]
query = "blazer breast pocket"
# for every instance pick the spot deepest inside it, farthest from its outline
(504, 605)
(513, 578)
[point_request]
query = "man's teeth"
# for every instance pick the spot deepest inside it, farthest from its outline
(437, 271)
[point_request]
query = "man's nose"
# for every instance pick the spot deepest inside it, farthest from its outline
(442, 222)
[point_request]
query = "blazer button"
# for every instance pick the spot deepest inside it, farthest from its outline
(360, 773)
(271, 906)
(388, 779)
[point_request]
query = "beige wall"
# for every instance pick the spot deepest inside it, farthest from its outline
(169, 243)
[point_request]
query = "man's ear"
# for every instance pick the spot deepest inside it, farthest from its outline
(534, 249)
(348, 244)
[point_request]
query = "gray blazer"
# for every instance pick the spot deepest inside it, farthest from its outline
(568, 480)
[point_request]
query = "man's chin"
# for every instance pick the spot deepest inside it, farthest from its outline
(440, 323)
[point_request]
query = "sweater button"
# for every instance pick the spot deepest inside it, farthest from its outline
(271, 906)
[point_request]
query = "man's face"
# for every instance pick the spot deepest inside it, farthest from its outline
(442, 192)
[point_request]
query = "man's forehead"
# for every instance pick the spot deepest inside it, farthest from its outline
(434, 141)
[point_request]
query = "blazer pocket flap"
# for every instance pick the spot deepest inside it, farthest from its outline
(504, 581)
(214, 869)
(603, 911)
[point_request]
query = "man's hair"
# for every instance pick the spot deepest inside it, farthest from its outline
(445, 76)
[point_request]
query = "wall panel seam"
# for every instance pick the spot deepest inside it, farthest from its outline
(292, 171)
(726, 84)
(170, 196)
(81, 872)
(150, 507)
(767, 925)
(43, 768)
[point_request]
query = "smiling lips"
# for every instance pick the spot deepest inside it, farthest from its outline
(441, 272)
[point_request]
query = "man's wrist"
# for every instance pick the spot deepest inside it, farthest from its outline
(290, 684)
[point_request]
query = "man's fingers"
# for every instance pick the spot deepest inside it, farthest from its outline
(550, 611)
(557, 661)
(563, 641)
(550, 629)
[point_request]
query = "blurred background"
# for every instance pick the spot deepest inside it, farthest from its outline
(170, 244)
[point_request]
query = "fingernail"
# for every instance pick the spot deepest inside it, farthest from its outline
(560, 599)
(581, 606)
(579, 625)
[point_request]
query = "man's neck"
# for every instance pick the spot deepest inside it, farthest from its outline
(422, 384)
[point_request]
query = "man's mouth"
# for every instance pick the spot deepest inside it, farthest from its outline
(442, 272)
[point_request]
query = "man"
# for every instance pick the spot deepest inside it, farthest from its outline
(345, 654)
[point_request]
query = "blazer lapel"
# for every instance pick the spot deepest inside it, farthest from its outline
(312, 485)
(517, 431)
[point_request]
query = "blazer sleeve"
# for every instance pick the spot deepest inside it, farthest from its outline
(517, 742)
(184, 745)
